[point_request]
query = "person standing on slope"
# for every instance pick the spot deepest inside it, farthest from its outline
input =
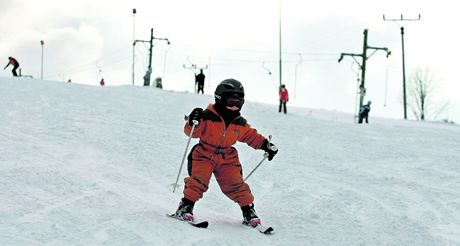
(284, 98)
(199, 81)
(220, 126)
(364, 113)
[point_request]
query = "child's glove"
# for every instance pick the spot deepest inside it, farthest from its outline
(270, 149)
(196, 114)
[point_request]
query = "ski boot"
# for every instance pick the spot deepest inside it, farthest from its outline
(185, 210)
(249, 216)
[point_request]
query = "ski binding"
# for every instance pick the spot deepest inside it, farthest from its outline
(202, 224)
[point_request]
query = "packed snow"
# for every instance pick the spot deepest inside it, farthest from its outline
(90, 165)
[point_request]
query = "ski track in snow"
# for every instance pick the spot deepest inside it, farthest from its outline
(84, 165)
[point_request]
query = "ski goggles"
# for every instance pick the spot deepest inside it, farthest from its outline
(234, 101)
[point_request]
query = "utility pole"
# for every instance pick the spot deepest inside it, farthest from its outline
(195, 67)
(403, 58)
(280, 63)
(149, 70)
(362, 65)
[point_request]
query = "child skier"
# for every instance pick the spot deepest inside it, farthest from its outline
(220, 126)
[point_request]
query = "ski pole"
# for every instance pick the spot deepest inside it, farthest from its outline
(260, 163)
(195, 122)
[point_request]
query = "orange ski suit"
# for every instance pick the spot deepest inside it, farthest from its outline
(215, 154)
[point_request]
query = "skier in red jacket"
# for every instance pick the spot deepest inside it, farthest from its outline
(284, 98)
(15, 65)
(220, 126)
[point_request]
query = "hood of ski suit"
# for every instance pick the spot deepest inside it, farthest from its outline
(212, 131)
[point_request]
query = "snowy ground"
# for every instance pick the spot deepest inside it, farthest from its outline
(86, 165)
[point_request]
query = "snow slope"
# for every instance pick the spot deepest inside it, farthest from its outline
(86, 165)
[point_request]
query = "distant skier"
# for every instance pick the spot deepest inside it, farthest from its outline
(284, 98)
(15, 65)
(158, 83)
(364, 113)
(102, 82)
(220, 126)
(199, 81)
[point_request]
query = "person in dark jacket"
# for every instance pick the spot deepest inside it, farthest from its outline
(364, 113)
(15, 65)
(199, 81)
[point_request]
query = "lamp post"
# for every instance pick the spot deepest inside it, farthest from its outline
(403, 58)
(42, 43)
(134, 38)
(404, 73)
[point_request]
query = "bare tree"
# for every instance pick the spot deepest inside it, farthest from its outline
(422, 89)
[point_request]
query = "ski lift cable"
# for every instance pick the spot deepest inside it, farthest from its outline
(164, 61)
(269, 73)
(295, 74)
(88, 65)
(99, 70)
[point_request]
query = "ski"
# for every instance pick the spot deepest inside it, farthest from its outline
(202, 224)
(262, 229)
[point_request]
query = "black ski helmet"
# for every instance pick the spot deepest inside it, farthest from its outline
(229, 86)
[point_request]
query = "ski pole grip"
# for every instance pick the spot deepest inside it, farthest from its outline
(268, 145)
(272, 147)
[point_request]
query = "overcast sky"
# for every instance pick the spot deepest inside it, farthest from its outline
(87, 40)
